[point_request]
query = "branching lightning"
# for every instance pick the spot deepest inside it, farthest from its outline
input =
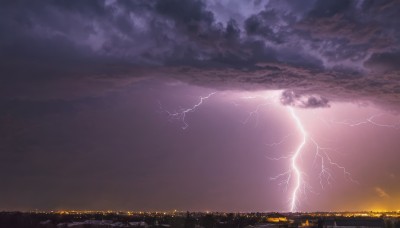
(294, 175)
(321, 154)
(255, 113)
(370, 120)
(181, 114)
(278, 143)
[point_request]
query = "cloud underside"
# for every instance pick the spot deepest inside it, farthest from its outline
(334, 50)
(318, 87)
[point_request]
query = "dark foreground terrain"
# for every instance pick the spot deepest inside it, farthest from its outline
(80, 219)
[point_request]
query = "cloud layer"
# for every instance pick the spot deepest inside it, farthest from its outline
(334, 50)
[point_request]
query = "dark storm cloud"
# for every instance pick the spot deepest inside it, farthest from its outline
(336, 49)
(290, 98)
(384, 61)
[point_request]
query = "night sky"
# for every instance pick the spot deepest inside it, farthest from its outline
(95, 101)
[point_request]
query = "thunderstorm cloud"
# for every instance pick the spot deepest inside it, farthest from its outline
(292, 99)
(318, 51)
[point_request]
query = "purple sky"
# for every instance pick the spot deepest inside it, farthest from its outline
(86, 87)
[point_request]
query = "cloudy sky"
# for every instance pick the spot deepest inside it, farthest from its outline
(93, 97)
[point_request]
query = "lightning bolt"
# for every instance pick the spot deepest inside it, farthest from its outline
(294, 173)
(181, 114)
(294, 158)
